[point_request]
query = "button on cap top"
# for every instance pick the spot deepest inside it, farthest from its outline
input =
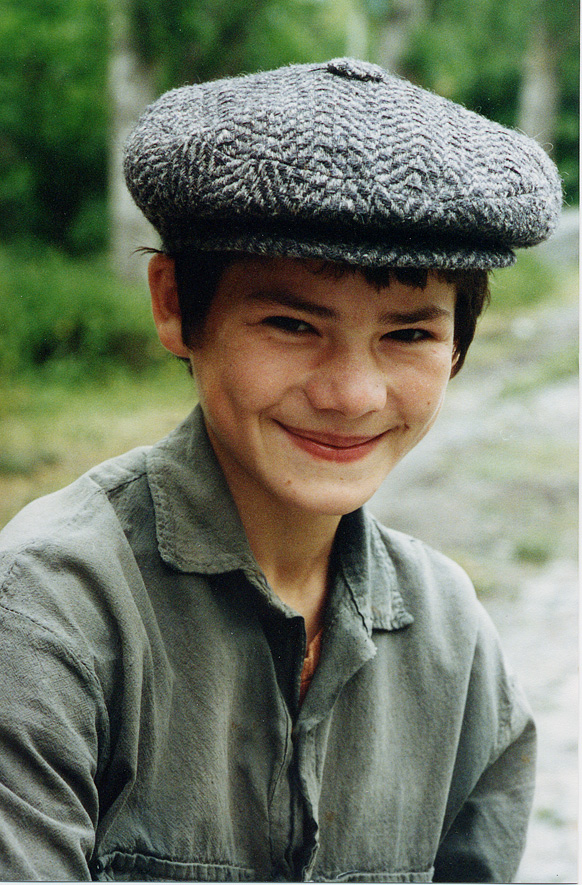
(354, 69)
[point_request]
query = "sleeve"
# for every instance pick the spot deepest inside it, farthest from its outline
(49, 726)
(486, 837)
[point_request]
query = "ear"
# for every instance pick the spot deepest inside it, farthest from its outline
(457, 362)
(165, 305)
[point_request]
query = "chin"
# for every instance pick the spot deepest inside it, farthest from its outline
(331, 502)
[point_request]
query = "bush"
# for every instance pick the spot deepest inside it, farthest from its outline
(53, 121)
(70, 318)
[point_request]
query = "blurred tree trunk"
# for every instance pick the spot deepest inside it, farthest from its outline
(539, 98)
(357, 31)
(131, 89)
(401, 18)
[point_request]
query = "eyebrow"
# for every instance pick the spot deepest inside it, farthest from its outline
(420, 315)
(391, 317)
(285, 299)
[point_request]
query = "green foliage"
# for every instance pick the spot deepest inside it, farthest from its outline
(69, 319)
(527, 283)
(302, 31)
(566, 145)
(453, 53)
(53, 121)
(196, 41)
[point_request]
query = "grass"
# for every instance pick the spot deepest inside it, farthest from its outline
(50, 434)
(549, 369)
(520, 296)
(528, 283)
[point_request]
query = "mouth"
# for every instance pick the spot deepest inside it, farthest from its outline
(332, 446)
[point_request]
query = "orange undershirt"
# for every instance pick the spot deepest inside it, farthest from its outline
(310, 663)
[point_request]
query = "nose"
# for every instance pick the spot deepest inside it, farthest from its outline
(348, 382)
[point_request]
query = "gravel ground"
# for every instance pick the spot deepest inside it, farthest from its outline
(495, 485)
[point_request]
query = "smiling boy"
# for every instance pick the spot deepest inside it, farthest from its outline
(217, 665)
(313, 387)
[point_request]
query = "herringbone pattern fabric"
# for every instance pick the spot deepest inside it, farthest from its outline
(343, 161)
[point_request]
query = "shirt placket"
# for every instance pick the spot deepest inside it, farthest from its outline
(347, 650)
(297, 785)
(285, 633)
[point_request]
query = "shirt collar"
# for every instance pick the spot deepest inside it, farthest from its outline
(197, 523)
(199, 529)
(369, 572)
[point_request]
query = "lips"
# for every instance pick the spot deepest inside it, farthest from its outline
(332, 446)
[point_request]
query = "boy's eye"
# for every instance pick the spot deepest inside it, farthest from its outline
(409, 336)
(288, 324)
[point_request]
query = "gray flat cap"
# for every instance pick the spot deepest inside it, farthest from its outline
(342, 161)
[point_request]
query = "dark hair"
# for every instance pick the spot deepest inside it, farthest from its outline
(199, 273)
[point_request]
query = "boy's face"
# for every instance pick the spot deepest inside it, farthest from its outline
(313, 387)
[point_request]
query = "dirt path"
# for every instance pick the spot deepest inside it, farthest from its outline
(539, 631)
(495, 486)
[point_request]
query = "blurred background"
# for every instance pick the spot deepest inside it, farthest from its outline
(82, 376)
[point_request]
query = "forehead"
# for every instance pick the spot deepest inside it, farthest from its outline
(342, 292)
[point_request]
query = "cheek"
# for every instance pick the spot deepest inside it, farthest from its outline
(227, 381)
(425, 391)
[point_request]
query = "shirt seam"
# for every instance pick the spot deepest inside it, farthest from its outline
(340, 875)
(280, 773)
(504, 736)
(139, 859)
(354, 600)
(43, 628)
(89, 676)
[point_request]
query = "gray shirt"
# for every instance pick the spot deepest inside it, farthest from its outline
(149, 718)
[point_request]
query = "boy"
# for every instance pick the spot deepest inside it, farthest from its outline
(216, 664)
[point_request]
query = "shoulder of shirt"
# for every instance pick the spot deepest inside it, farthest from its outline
(61, 517)
(408, 551)
(67, 571)
(428, 580)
